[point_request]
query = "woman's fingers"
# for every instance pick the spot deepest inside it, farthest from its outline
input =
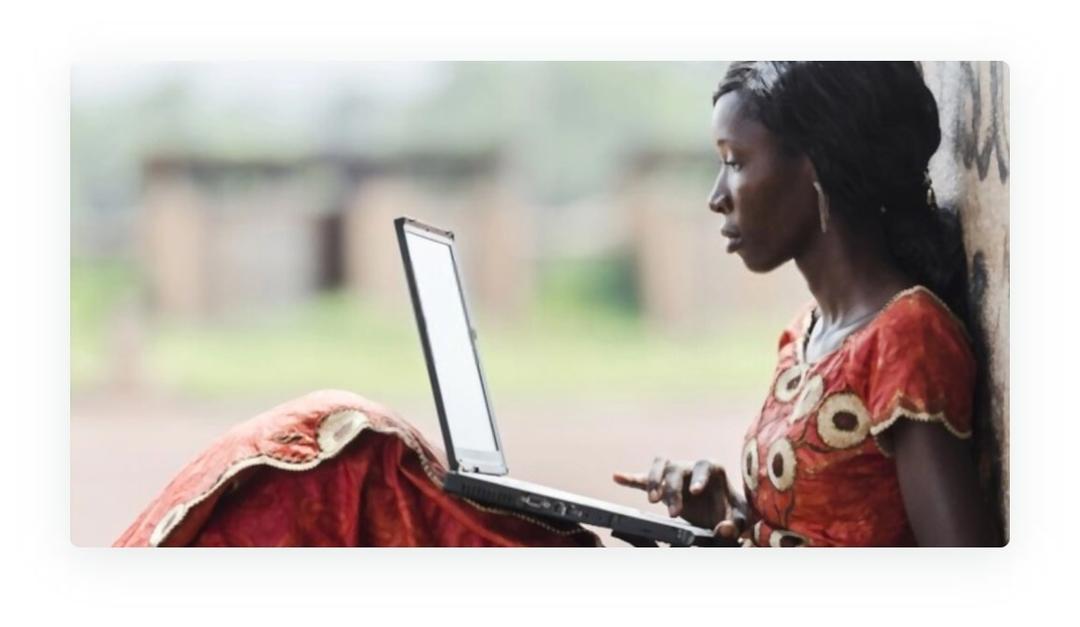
(739, 519)
(632, 480)
(718, 477)
(699, 477)
(655, 478)
(728, 529)
(672, 482)
(674, 479)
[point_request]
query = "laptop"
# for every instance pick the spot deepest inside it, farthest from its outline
(478, 469)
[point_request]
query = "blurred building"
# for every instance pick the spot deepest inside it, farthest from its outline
(225, 236)
(220, 236)
(685, 277)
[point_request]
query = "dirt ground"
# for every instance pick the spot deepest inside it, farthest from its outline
(125, 448)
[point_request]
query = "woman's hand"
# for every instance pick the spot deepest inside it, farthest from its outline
(700, 493)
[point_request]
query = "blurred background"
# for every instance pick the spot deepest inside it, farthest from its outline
(232, 248)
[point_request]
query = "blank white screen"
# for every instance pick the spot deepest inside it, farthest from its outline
(443, 309)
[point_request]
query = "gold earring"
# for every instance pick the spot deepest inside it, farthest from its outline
(823, 207)
(931, 199)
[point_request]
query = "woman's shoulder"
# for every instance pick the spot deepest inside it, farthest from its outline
(916, 316)
(916, 361)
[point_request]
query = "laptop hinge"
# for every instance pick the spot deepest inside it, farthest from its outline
(466, 466)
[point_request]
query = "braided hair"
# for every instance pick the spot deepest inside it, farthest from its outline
(869, 128)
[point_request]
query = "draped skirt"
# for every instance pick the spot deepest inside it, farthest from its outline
(329, 469)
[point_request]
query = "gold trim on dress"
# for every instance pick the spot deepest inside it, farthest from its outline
(811, 395)
(336, 430)
(804, 337)
(899, 411)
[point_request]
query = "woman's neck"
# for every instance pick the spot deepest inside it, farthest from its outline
(849, 273)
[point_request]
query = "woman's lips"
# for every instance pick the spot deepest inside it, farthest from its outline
(734, 243)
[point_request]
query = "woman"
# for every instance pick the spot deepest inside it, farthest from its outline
(861, 441)
(862, 438)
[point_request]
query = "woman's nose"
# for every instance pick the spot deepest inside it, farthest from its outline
(719, 200)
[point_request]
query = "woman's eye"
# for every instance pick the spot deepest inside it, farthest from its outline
(734, 165)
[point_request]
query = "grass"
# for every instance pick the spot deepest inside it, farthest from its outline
(97, 289)
(582, 339)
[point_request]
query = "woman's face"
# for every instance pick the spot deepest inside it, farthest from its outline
(767, 197)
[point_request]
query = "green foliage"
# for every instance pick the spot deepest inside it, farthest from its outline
(605, 285)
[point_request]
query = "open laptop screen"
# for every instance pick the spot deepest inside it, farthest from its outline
(450, 344)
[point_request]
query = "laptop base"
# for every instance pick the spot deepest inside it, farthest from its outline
(635, 528)
(633, 540)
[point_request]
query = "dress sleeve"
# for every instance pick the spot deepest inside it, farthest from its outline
(922, 368)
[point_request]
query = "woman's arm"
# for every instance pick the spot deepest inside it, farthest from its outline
(940, 487)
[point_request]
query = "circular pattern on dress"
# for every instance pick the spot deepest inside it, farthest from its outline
(750, 463)
(338, 429)
(781, 464)
(842, 421)
(788, 383)
(809, 398)
(782, 538)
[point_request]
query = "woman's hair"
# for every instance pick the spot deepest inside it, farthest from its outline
(869, 128)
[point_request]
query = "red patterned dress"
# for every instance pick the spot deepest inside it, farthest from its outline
(334, 469)
(814, 469)
(329, 469)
